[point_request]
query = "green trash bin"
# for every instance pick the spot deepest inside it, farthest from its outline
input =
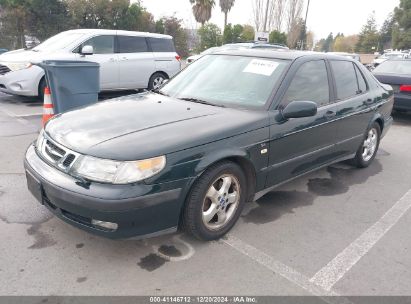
(72, 83)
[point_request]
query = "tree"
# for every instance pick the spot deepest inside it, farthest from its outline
(368, 37)
(210, 36)
(202, 10)
(386, 33)
(248, 33)
(226, 6)
(44, 23)
(278, 15)
(296, 33)
(345, 44)
(328, 45)
(174, 28)
(232, 34)
(295, 8)
(402, 27)
(278, 37)
(14, 21)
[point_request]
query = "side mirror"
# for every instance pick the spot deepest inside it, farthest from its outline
(299, 109)
(87, 50)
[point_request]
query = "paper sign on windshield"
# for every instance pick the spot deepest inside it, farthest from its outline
(261, 67)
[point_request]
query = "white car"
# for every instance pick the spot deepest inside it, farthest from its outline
(387, 56)
(128, 60)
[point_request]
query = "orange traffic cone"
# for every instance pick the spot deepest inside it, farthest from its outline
(48, 111)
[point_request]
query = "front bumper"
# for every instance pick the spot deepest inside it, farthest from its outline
(402, 102)
(22, 82)
(139, 210)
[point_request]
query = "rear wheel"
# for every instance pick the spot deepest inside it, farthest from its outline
(156, 81)
(215, 201)
(368, 149)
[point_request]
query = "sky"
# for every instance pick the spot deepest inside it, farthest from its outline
(324, 16)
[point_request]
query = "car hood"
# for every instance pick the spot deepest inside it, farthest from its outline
(147, 125)
(23, 55)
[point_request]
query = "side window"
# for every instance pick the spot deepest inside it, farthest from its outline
(162, 45)
(345, 79)
(362, 84)
(310, 83)
(131, 44)
(100, 44)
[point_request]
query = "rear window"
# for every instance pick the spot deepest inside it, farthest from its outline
(162, 45)
(345, 79)
(394, 67)
(131, 44)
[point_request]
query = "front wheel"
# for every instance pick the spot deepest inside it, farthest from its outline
(215, 201)
(368, 149)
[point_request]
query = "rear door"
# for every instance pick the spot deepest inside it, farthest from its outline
(165, 56)
(104, 54)
(355, 105)
(299, 145)
(136, 62)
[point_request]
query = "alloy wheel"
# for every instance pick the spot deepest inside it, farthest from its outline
(370, 144)
(221, 202)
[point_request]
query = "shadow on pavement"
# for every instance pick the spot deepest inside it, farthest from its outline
(402, 118)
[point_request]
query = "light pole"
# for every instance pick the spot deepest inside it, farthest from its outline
(266, 15)
(305, 23)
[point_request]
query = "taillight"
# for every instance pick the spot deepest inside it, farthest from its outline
(405, 88)
(178, 58)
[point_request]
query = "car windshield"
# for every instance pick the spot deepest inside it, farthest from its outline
(225, 80)
(394, 67)
(58, 41)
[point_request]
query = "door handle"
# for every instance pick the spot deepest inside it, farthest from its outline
(330, 114)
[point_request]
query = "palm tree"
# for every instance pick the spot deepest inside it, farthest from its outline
(226, 6)
(202, 10)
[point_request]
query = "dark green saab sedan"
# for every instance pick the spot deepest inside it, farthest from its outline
(225, 131)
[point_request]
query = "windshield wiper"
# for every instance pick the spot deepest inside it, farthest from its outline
(196, 100)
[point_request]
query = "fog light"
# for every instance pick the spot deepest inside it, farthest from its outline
(105, 225)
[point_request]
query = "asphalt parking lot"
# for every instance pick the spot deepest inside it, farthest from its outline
(338, 231)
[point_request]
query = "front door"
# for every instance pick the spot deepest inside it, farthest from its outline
(104, 55)
(299, 145)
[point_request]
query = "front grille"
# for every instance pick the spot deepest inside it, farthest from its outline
(56, 154)
(4, 69)
(55, 148)
(69, 160)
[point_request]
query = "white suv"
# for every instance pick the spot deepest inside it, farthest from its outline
(128, 60)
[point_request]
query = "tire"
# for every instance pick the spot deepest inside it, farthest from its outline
(42, 86)
(156, 80)
(199, 218)
(371, 144)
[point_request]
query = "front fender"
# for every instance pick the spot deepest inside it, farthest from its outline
(217, 156)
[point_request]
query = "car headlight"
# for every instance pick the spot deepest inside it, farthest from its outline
(117, 172)
(15, 66)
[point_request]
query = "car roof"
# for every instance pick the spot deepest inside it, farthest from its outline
(278, 54)
(119, 32)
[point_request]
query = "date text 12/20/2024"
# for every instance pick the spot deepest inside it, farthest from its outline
(204, 299)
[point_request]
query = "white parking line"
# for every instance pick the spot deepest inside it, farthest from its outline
(329, 275)
(283, 270)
